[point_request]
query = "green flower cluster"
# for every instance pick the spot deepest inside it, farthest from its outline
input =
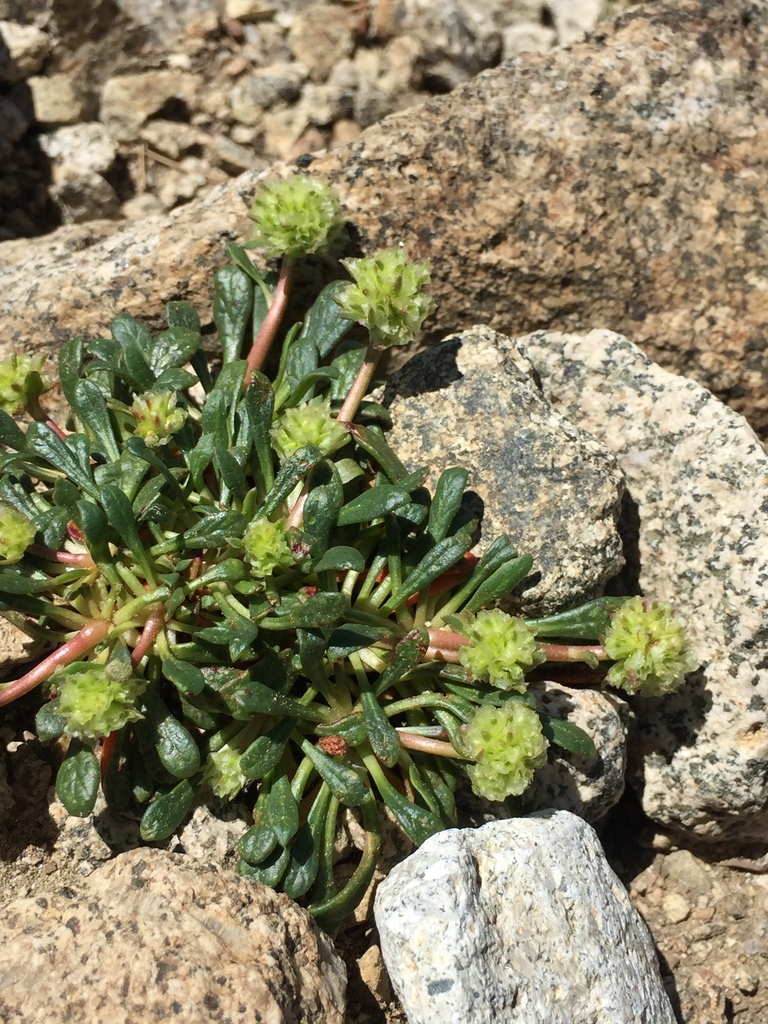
(16, 534)
(296, 216)
(649, 645)
(157, 418)
(223, 774)
(501, 650)
(21, 379)
(93, 702)
(508, 746)
(312, 424)
(388, 296)
(266, 547)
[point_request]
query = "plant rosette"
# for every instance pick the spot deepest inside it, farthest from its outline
(246, 594)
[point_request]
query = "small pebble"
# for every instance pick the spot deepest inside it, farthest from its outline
(676, 907)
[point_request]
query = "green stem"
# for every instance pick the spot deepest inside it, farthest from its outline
(427, 745)
(89, 636)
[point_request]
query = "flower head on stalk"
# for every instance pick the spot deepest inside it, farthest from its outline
(296, 216)
(387, 296)
(508, 746)
(157, 418)
(93, 702)
(266, 547)
(649, 645)
(21, 382)
(223, 774)
(501, 649)
(308, 424)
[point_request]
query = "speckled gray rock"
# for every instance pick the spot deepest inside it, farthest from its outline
(542, 481)
(589, 787)
(697, 481)
(150, 937)
(519, 921)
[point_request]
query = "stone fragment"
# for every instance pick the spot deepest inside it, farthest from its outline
(172, 138)
(539, 479)
(459, 38)
(83, 195)
(23, 49)
(526, 37)
(86, 146)
(572, 18)
(248, 10)
(320, 36)
(697, 491)
(127, 101)
(266, 87)
(589, 787)
(620, 183)
(16, 648)
(520, 921)
(150, 936)
(166, 20)
(57, 99)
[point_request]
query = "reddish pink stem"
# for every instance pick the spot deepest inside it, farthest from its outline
(268, 329)
(575, 652)
(429, 745)
(57, 429)
(154, 623)
(107, 751)
(89, 636)
(360, 385)
(79, 561)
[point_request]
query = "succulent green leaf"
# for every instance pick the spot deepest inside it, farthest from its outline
(442, 557)
(449, 492)
(588, 622)
(91, 407)
(179, 313)
(62, 455)
(232, 305)
(385, 743)
(77, 783)
(175, 746)
(215, 529)
(502, 582)
(70, 365)
(305, 849)
(188, 679)
(344, 782)
(49, 724)
(166, 813)
(373, 504)
(173, 348)
(372, 441)
(257, 844)
(341, 557)
(292, 470)
(567, 736)
(281, 810)
(11, 434)
(266, 750)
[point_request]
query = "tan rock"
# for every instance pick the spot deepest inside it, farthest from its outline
(57, 99)
(321, 36)
(127, 101)
(26, 47)
(620, 183)
(149, 937)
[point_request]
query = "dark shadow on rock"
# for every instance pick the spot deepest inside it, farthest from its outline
(26, 210)
(430, 370)
(628, 580)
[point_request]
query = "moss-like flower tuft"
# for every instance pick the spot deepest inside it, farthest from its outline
(223, 774)
(387, 297)
(21, 379)
(296, 216)
(16, 534)
(508, 745)
(501, 649)
(303, 425)
(157, 418)
(93, 703)
(266, 547)
(649, 645)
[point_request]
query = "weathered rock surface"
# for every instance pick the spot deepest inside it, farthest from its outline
(521, 921)
(620, 182)
(589, 787)
(697, 482)
(540, 480)
(148, 936)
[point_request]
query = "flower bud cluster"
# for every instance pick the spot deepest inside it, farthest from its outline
(16, 534)
(266, 547)
(508, 746)
(16, 382)
(303, 425)
(388, 296)
(501, 650)
(93, 702)
(649, 646)
(157, 418)
(296, 216)
(223, 773)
